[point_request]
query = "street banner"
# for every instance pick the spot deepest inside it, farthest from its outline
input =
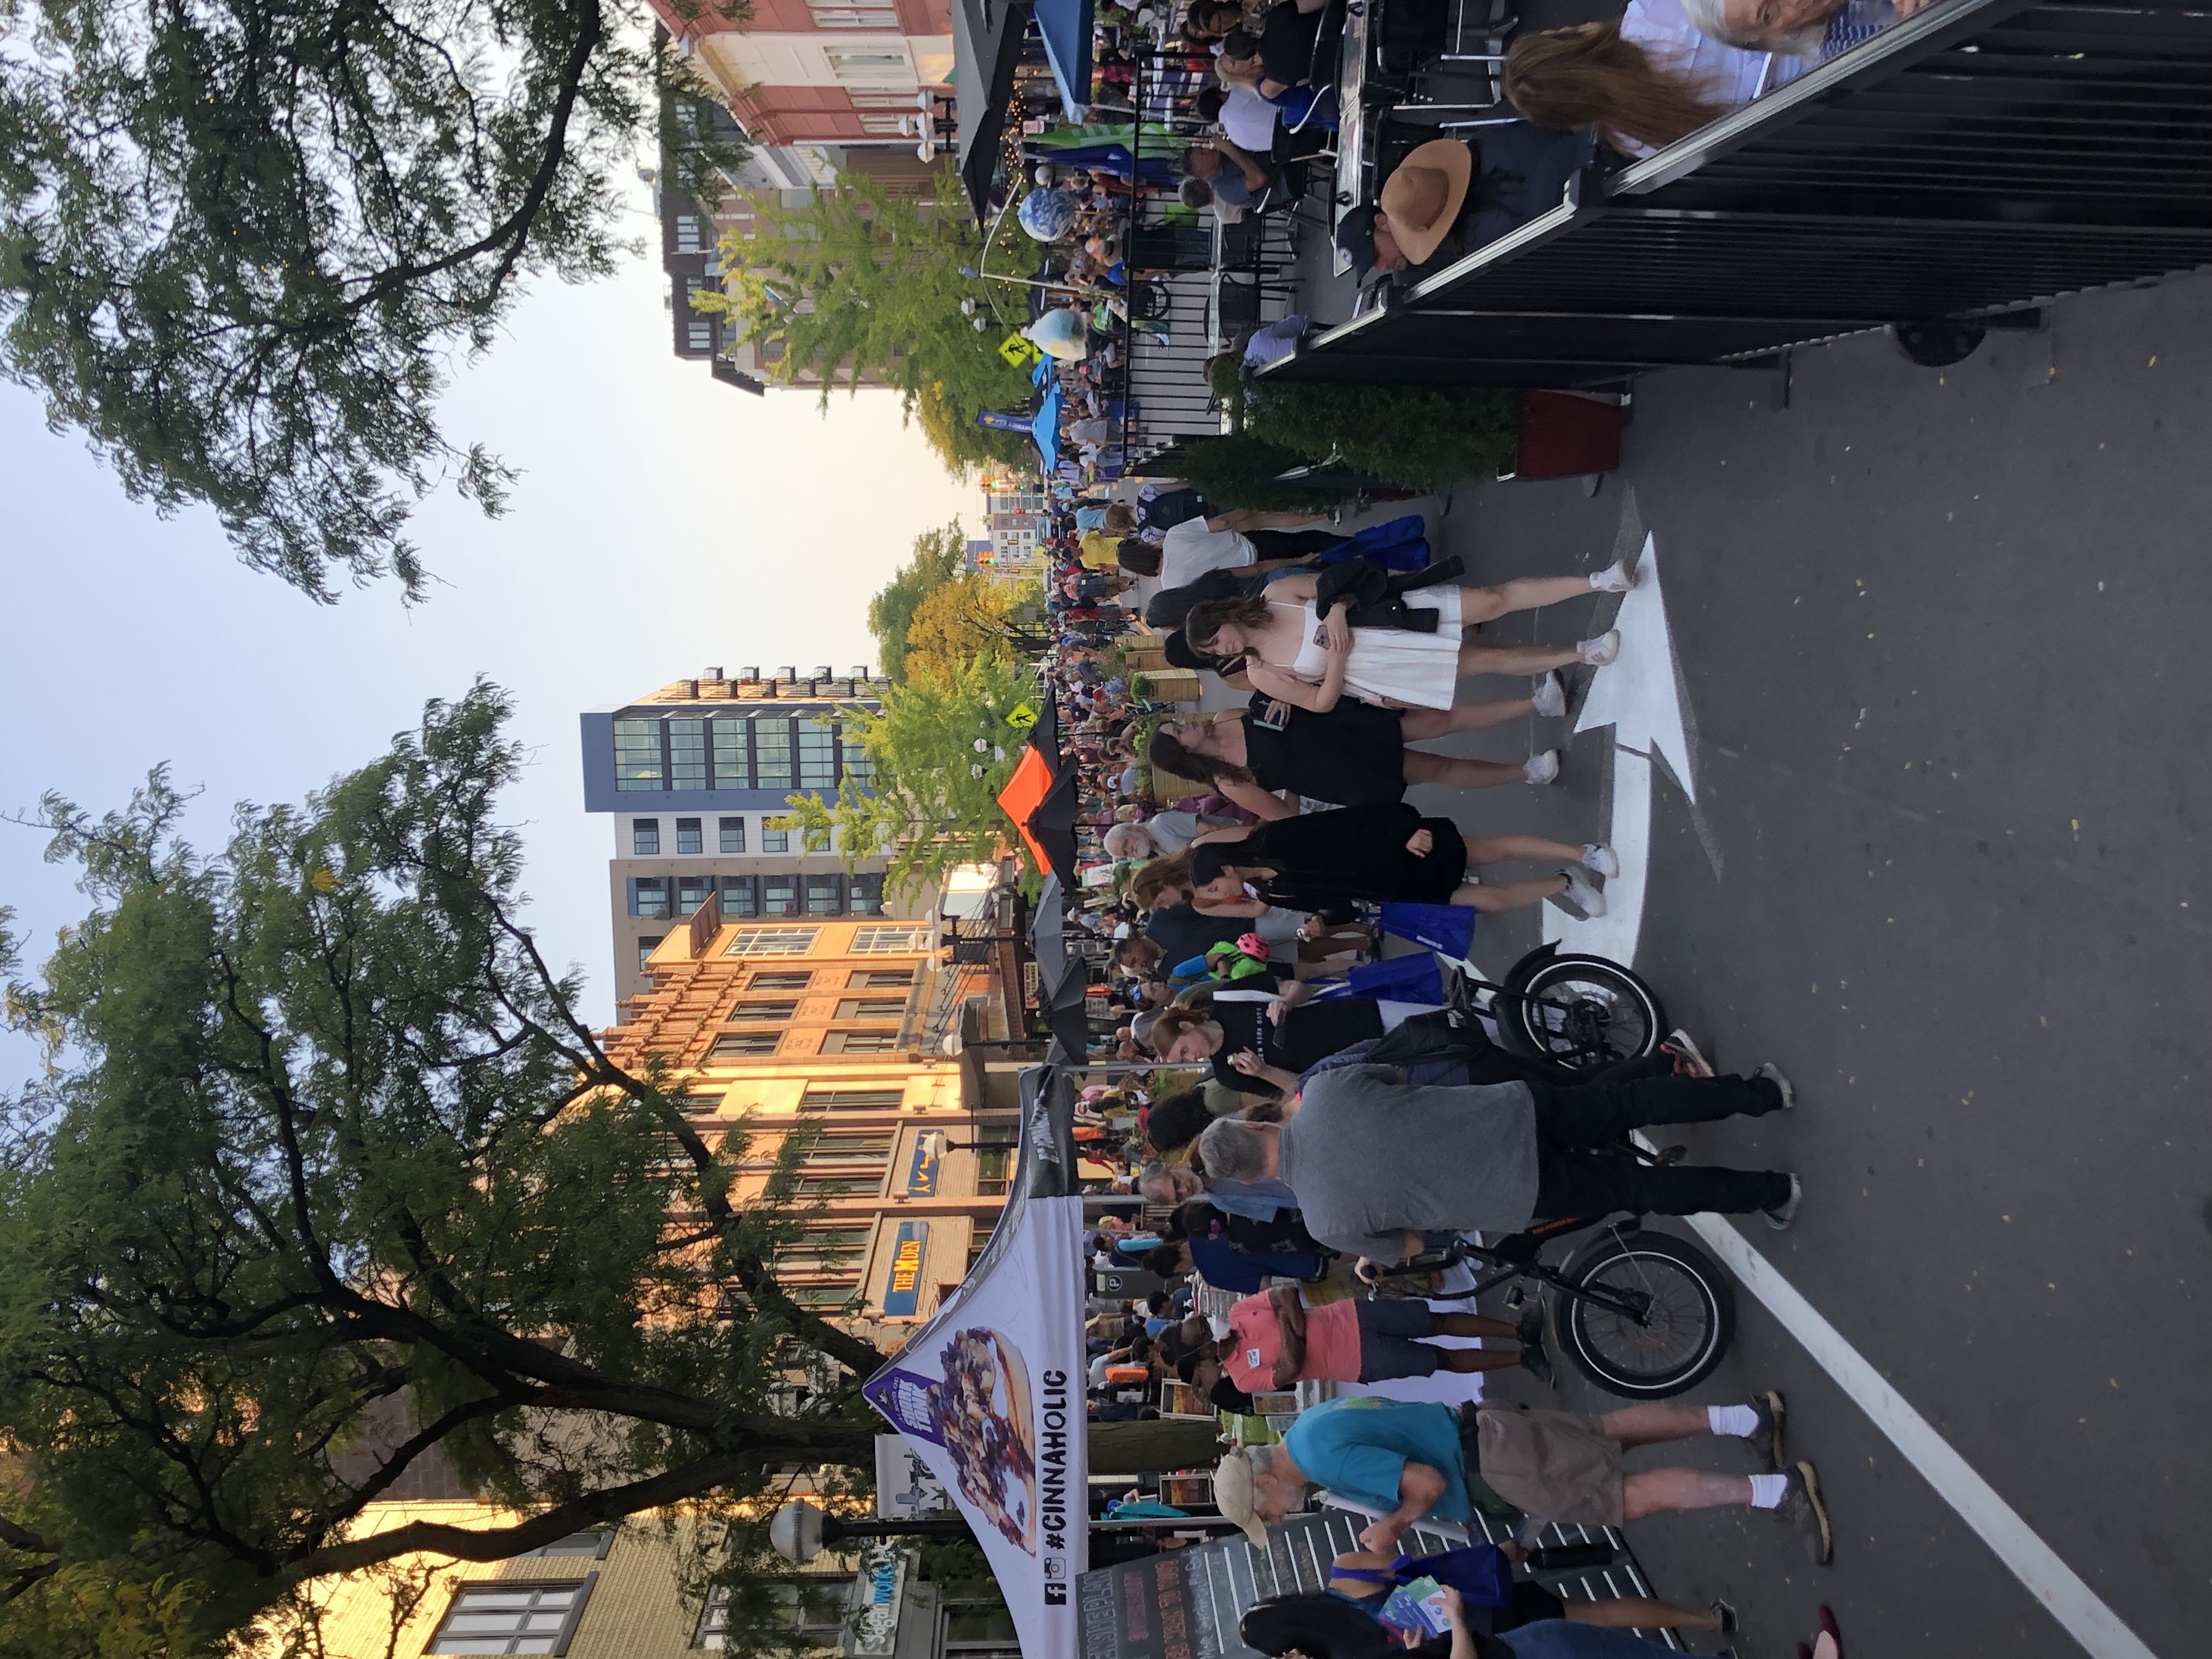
(989, 1393)
(905, 1487)
(999, 421)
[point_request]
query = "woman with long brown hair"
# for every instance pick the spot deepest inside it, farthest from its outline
(1263, 758)
(1308, 660)
(1643, 82)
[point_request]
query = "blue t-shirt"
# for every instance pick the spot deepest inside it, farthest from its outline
(1358, 1447)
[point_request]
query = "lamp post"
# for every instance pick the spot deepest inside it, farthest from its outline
(798, 1531)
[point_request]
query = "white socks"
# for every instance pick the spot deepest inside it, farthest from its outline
(1767, 1490)
(1740, 1421)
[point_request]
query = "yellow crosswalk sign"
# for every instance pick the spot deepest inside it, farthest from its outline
(1022, 717)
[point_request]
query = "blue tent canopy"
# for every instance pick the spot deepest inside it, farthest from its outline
(1045, 429)
(1065, 28)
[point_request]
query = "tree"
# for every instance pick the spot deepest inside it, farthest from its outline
(970, 618)
(865, 282)
(240, 240)
(938, 753)
(937, 557)
(326, 1178)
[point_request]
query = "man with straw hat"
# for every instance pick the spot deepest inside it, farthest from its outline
(1419, 206)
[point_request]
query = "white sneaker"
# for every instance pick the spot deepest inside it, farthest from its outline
(1602, 650)
(1615, 578)
(1600, 859)
(1587, 898)
(1551, 697)
(1540, 769)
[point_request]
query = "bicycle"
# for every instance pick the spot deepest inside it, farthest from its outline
(1642, 1314)
(1577, 1013)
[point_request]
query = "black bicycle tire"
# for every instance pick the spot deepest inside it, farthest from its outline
(1571, 1315)
(1528, 1040)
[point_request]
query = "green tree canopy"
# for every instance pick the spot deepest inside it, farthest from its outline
(933, 801)
(240, 239)
(328, 1177)
(938, 556)
(865, 282)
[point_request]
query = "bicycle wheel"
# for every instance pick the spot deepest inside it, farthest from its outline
(1587, 1013)
(1689, 1321)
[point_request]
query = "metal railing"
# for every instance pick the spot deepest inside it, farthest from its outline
(1982, 157)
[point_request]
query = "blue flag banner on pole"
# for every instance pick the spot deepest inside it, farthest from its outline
(999, 421)
(1448, 928)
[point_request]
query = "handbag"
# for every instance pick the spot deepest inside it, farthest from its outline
(1480, 1572)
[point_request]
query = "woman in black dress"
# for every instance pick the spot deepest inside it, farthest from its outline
(1379, 854)
(1356, 755)
(1254, 1045)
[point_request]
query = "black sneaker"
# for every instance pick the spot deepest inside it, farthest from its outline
(1724, 1615)
(1534, 1357)
(1784, 1213)
(1802, 1509)
(1772, 1413)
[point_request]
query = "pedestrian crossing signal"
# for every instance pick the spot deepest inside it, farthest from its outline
(1019, 352)
(1022, 717)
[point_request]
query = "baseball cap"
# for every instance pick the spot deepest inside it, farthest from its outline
(1233, 1496)
(1355, 235)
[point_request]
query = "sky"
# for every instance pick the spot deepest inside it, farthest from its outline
(663, 522)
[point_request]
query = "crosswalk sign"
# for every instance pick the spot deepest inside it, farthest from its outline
(1019, 352)
(1021, 717)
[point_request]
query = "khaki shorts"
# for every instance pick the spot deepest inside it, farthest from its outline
(1557, 1466)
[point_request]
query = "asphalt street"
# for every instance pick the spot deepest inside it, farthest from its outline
(1943, 638)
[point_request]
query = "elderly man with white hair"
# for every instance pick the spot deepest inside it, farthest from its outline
(1376, 1163)
(1405, 1460)
(1817, 29)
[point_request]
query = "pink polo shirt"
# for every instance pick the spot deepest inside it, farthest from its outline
(1255, 1340)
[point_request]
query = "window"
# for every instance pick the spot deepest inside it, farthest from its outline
(733, 763)
(740, 895)
(645, 944)
(689, 237)
(883, 941)
(848, 1148)
(876, 66)
(733, 830)
(818, 754)
(645, 837)
(882, 126)
(864, 894)
(687, 754)
(834, 1294)
(860, 770)
(781, 979)
(860, 1043)
(737, 1045)
(774, 941)
(648, 895)
(691, 892)
(994, 1162)
(872, 1008)
(511, 1618)
(774, 840)
(688, 838)
(637, 754)
(879, 1100)
(825, 895)
(699, 334)
(771, 753)
(808, 1607)
(779, 896)
(592, 1544)
(824, 1250)
(855, 17)
(766, 1011)
(879, 979)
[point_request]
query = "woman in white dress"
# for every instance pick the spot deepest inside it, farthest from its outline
(1292, 653)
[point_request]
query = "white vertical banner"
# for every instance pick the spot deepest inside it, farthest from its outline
(989, 1395)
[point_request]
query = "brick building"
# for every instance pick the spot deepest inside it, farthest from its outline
(806, 72)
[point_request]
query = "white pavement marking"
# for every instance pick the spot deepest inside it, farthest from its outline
(1640, 695)
(2048, 1579)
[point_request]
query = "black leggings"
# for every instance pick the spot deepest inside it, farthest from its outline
(1291, 544)
(1572, 1180)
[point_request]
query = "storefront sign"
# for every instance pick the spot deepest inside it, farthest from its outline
(921, 1172)
(872, 1630)
(905, 1487)
(902, 1296)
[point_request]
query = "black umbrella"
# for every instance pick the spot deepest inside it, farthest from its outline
(986, 49)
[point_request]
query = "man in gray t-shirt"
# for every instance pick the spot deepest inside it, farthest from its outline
(1377, 1161)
